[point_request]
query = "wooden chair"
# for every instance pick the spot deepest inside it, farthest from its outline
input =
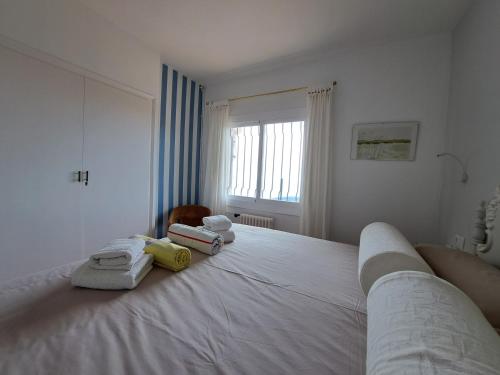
(188, 215)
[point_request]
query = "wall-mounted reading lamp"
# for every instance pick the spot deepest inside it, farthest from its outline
(465, 176)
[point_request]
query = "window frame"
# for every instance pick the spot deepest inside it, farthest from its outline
(262, 204)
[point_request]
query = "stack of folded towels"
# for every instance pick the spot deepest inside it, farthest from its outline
(219, 224)
(121, 264)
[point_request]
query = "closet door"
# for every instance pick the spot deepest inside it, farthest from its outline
(117, 129)
(40, 147)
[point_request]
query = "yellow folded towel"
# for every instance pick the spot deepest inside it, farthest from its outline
(169, 255)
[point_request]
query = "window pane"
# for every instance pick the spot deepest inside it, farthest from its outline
(282, 161)
(244, 161)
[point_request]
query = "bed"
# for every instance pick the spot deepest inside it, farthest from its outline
(269, 303)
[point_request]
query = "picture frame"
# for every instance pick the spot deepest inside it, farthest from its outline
(385, 141)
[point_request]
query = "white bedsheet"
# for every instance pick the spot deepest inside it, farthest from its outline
(269, 303)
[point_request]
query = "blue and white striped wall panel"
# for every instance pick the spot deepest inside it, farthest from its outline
(179, 144)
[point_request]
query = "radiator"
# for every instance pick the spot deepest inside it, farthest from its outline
(257, 221)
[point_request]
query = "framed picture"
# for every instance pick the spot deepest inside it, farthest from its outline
(384, 141)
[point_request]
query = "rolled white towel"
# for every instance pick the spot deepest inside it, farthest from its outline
(202, 240)
(88, 277)
(119, 254)
(227, 235)
(218, 222)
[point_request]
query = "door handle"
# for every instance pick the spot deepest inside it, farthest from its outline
(86, 178)
(77, 176)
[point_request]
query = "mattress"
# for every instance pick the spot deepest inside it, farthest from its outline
(270, 303)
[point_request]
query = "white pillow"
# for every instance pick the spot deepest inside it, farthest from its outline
(382, 250)
(421, 324)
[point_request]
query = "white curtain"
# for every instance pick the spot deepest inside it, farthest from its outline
(316, 179)
(217, 148)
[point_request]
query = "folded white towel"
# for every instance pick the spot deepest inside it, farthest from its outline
(218, 222)
(202, 240)
(227, 235)
(87, 277)
(119, 254)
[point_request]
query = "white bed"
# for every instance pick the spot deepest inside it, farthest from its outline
(269, 303)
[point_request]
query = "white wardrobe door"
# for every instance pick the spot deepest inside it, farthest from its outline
(40, 146)
(117, 131)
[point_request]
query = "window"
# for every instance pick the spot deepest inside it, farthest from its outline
(267, 161)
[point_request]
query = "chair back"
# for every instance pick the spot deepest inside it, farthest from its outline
(191, 215)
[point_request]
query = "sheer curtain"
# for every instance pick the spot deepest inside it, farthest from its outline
(316, 183)
(217, 145)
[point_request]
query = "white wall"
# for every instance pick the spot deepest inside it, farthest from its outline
(72, 32)
(474, 120)
(399, 81)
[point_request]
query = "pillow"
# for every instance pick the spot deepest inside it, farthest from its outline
(421, 324)
(382, 250)
(476, 278)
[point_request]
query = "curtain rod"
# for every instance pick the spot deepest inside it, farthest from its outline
(271, 93)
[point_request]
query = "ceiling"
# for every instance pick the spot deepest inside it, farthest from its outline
(207, 38)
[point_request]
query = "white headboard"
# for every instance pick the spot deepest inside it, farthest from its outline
(486, 228)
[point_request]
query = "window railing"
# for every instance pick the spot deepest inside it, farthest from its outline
(267, 161)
